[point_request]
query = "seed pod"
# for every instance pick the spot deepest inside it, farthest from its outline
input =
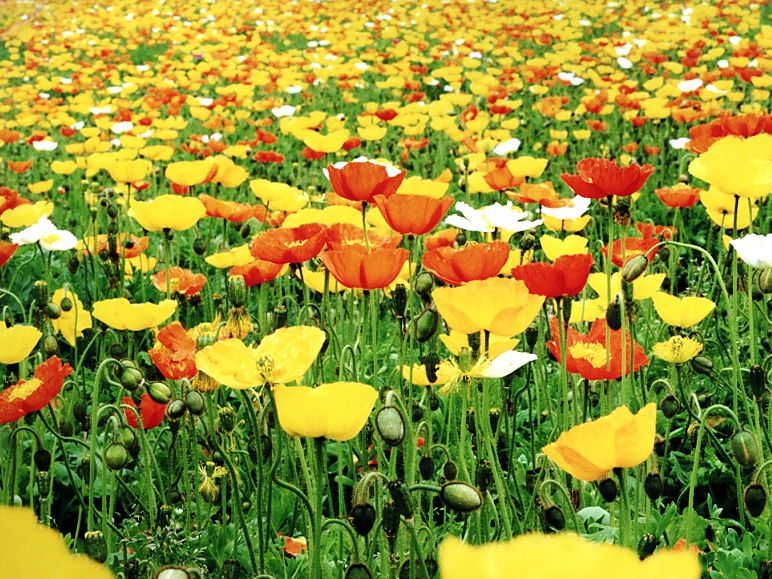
(116, 456)
(199, 246)
(176, 409)
(449, 470)
(702, 365)
(669, 406)
(424, 283)
(460, 497)
(745, 448)
(653, 485)
(73, 265)
(426, 467)
(755, 499)
(362, 518)
(647, 545)
(42, 459)
(402, 498)
(608, 490)
(634, 268)
(159, 392)
(53, 311)
(96, 546)
(426, 325)
(555, 518)
(195, 402)
(358, 571)
(390, 425)
(40, 294)
(131, 378)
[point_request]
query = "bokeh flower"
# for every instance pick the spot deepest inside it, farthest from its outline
(755, 250)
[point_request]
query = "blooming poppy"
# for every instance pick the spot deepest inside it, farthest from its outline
(289, 244)
(17, 342)
(590, 310)
(128, 245)
(677, 349)
(566, 277)
(72, 321)
(362, 179)
(542, 193)
(555, 247)
(33, 394)
(488, 219)
(189, 173)
(591, 450)
(682, 312)
(598, 178)
(444, 238)
(412, 214)
(725, 210)
(6, 251)
(590, 357)
(343, 235)
(502, 306)
(174, 352)
(257, 271)
(228, 174)
(336, 411)
(128, 171)
(473, 261)
(181, 281)
(231, 210)
(167, 212)
(238, 255)
(499, 177)
(37, 551)
(357, 268)
(747, 125)
(151, 412)
(120, 314)
(736, 166)
(755, 250)
(46, 234)
(628, 247)
(279, 196)
(680, 196)
(10, 199)
(564, 555)
(19, 166)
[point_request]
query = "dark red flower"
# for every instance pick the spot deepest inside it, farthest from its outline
(564, 278)
(600, 178)
(474, 261)
(289, 244)
(33, 394)
(412, 214)
(151, 412)
(173, 353)
(356, 268)
(362, 180)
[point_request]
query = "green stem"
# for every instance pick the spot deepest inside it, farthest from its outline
(315, 570)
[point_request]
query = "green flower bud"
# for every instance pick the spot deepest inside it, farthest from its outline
(195, 402)
(460, 497)
(160, 392)
(669, 406)
(702, 365)
(745, 448)
(634, 268)
(358, 571)
(116, 456)
(237, 290)
(653, 485)
(755, 499)
(555, 518)
(608, 490)
(53, 311)
(362, 518)
(96, 546)
(426, 325)
(390, 425)
(176, 409)
(402, 498)
(647, 545)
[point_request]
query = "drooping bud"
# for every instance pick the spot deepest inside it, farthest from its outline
(53, 311)
(669, 406)
(50, 345)
(653, 485)
(390, 425)
(399, 301)
(131, 378)
(176, 409)
(745, 448)
(358, 571)
(755, 499)
(634, 268)
(702, 365)
(402, 498)
(96, 546)
(426, 325)
(426, 467)
(199, 246)
(66, 304)
(449, 470)
(362, 518)
(42, 459)
(614, 314)
(555, 518)
(647, 545)
(608, 490)
(116, 456)
(460, 497)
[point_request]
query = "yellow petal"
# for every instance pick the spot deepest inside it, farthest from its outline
(292, 351)
(118, 313)
(168, 212)
(682, 312)
(231, 363)
(17, 342)
(71, 323)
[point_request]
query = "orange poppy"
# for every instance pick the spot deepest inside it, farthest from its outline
(289, 244)
(632, 246)
(748, 125)
(19, 166)
(566, 277)
(679, 196)
(362, 180)
(269, 157)
(444, 238)
(174, 352)
(474, 261)
(151, 412)
(32, 395)
(257, 271)
(9, 136)
(598, 178)
(7, 250)
(412, 214)
(356, 268)
(542, 193)
(343, 235)
(181, 281)
(10, 199)
(129, 245)
(499, 177)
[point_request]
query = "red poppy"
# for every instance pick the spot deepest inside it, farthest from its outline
(265, 136)
(444, 238)
(356, 268)
(312, 155)
(257, 271)
(10, 198)
(173, 353)
(600, 178)
(151, 412)
(19, 166)
(678, 197)
(230, 210)
(499, 177)
(632, 246)
(181, 281)
(748, 125)
(586, 354)
(269, 157)
(352, 143)
(289, 244)
(343, 235)
(566, 277)
(649, 230)
(412, 214)
(6, 251)
(32, 395)
(474, 261)
(362, 180)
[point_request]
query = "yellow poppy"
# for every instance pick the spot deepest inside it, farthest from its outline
(26, 215)
(168, 212)
(17, 342)
(239, 255)
(331, 143)
(120, 314)
(677, 350)
(279, 196)
(157, 152)
(737, 166)
(128, 171)
(74, 320)
(229, 174)
(721, 209)
(337, 411)
(328, 216)
(64, 167)
(502, 306)
(620, 440)
(39, 552)
(564, 555)
(417, 185)
(590, 310)
(570, 225)
(554, 247)
(41, 186)
(682, 312)
(189, 173)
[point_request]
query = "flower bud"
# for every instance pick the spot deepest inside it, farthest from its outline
(399, 301)
(634, 268)
(96, 546)
(647, 545)
(669, 406)
(460, 497)
(362, 518)
(195, 402)
(358, 571)
(50, 345)
(426, 325)
(42, 459)
(757, 379)
(555, 518)
(531, 336)
(40, 293)
(129, 438)
(702, 365)
(159, 392)
(176, 409)
(390, 425)
(199, 246)
(227, 418)
(424, 283)
(614, 314)
(53, 311)
(426, 467)
(653, 485)
(73, 264)
(755, 499)
(765, 281)
(527, 241)
(402, 498)
(116, 456)
(131, 378)
(449, 470)
(608, 490)
(745, 448)
(66, 304)
(237, 290)
(390, 520)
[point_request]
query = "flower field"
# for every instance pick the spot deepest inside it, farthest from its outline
(457, 289)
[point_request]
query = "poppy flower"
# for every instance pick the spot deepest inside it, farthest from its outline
(632, 246)
(542, 193)
(229, 210)
(598, 178)
(682, 312)
(174, 352)
(289, 244)
(73, 321)
(591, 309)
(362, 179)
(228, 174)
(736, 166)
(336, 411)
(344, 235)
(189, 173)
(412, 214)
(724, 210)
(555, 247)
(294, 546)
(10, 199)
(19, 166)
(238, 255)
(473, 261)
(747, 125)
(502, 306)
(499, 177)
(755, 250)
(564, 555)
(257, 271)
(128, 171)
(6, 251)
(677, 349)
(591, 450)
(167, 212)
(47, 235)
(129, 246)
(445, 238)
(492, 217)
(17, 342)
(356, 268)
(566, 277)
(587, 355)
(279, 196)
(33, 394)
(181, 281)
(40, 552)
(150, 412)
(120, 314)
(680, 196)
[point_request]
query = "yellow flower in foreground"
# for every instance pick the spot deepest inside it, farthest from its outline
(120, 314)
(17, 342)
(337, 411)
(563, 556)
(590, 310)
(737, 166)
(721, 209)
(682, 312)
(500, 305)
(128, 171)
(73, 321)
(677, 350)
(26, 215)
(282, 357)
(554, 247)
(37, 552)
(168, 212)
(189, 173)
(620, 440)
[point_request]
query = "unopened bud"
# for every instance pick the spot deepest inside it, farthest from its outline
(390, 425)
(176, 409)
(159, 392)
(237, 290)
(426, 325)
(96, 546)
(399, 301)
(757, 379)
(426, 467)
(765, 281)
(460, 497)
(669, 406)
(116, 456)
(555, 518)
(614, 314)
(362, 518)
(653, 485)
(634, 268)
(608, 490)
(195, 402)
(424, 283)
(402, 498)
(702, 365)
(745, 448)
(647, 545)
(755, 499)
